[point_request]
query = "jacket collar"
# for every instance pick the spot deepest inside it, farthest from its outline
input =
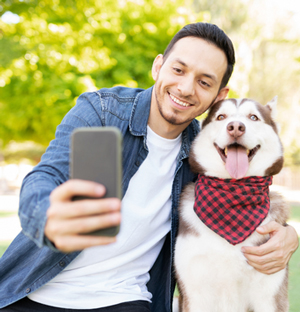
(139, 120)
(140, 113)
(188, 135)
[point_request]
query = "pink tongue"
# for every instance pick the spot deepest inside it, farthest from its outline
(237, 162)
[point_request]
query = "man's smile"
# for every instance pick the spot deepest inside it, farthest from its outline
(179, 102)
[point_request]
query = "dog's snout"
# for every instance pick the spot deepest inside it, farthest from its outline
(236, 128)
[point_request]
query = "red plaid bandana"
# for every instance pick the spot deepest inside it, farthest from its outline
(232, 208)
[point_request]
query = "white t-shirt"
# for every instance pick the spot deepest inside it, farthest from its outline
(107, 275)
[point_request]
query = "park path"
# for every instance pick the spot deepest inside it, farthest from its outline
(10, 225)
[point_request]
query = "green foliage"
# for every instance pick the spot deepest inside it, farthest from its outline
(295, 214)
(294, 281)
(62, 48)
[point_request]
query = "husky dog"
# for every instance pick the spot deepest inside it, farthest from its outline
(236, 153)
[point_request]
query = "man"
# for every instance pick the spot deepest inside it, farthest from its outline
(44, 270)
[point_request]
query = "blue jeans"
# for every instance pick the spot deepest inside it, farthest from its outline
(27, 305)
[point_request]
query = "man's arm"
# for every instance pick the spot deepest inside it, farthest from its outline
(274, 255)
(53, 170)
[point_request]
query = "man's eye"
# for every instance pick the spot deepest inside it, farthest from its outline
(253, 117)
(204, 83)
(221, 117)
(177, 70)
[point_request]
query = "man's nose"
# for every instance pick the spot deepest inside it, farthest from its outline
(186, 86)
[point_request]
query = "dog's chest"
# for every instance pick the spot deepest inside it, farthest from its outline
(208, 266)
(208, 253)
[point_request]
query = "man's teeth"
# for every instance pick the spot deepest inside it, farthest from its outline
(178, 101)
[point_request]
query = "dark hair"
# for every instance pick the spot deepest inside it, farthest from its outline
(212, 34)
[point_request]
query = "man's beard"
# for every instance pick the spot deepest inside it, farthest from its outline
(173, 119)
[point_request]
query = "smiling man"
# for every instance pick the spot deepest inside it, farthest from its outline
(186, 85)
(51, 266)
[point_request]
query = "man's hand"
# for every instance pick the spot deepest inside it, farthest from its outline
(68, 219)
(274, 255)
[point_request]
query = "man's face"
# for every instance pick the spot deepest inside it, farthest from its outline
(186, 84)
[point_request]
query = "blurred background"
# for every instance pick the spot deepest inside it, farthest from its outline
(53, 50)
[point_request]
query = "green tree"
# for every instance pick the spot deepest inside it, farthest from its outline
(61, 48)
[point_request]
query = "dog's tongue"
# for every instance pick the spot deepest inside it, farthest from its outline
(237, 162)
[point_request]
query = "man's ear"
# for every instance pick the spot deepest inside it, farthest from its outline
(222, 94)
(157, 64)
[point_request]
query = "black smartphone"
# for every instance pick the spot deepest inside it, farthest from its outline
(96, 155)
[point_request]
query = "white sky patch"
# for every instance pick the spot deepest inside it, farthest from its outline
(10, 18)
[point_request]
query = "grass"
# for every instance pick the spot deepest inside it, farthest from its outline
(294, 268)
(294, 281)
(295, 213)
(294, 264)
(4, 214)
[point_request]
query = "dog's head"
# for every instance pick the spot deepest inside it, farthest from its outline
(238, 138)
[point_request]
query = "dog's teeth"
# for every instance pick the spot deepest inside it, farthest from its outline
(248, 152)
(225, 151)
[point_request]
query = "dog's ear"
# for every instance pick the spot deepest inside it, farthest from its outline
(272, 105)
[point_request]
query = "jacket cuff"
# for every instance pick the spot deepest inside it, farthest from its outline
(33, 225)
(49, 244)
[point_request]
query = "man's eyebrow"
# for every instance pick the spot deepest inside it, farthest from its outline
(181, 62)
(210, 76)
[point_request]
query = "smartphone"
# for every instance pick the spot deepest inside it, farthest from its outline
(96, 155)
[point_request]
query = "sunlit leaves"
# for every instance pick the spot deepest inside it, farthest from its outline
(61, 48)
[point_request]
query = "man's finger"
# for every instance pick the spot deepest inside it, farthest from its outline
(67, 190)
(270, 258)
(266, 264)
(261, 250)
(268, 228)
(269, 268)
(271, 245)
(81, 225)
(93, 223)
(79, 242)
(82, 208)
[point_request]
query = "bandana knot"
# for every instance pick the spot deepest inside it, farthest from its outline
(232, 208)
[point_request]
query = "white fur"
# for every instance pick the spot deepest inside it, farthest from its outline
(215, 274)
(215, 132)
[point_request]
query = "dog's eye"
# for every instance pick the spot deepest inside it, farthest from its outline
(253, 117)
(221, 117)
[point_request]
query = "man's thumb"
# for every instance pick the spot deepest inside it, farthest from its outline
(267, 228)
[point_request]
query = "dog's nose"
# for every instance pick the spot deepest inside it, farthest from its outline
(236, 128)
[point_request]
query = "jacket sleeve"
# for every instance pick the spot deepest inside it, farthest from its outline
(53, 169)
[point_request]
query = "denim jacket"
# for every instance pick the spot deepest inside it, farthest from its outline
(31, 260)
